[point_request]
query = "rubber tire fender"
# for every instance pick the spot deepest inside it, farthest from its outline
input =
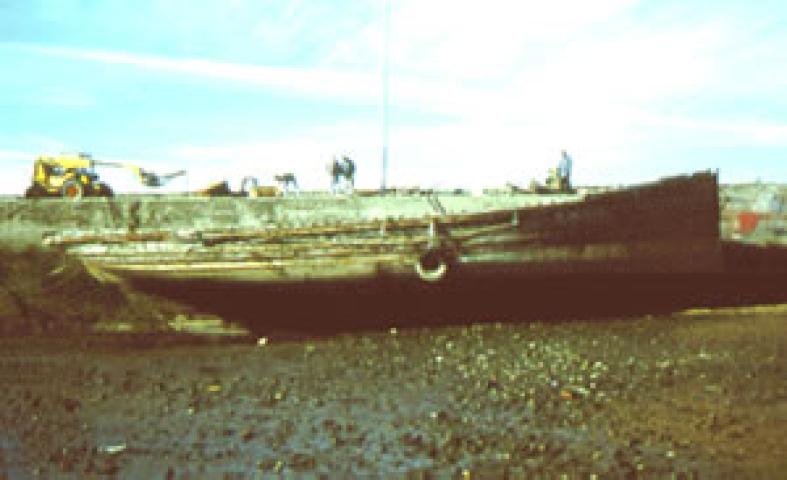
(432, 266)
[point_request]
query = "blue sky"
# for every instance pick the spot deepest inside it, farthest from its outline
(481, 93)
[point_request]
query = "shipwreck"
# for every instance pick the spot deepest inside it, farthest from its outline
(668, 226)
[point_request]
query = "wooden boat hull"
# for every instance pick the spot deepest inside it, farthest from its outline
(666, 227)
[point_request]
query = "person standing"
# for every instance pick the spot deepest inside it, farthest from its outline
(335, 169)
(564, 170)
(348, 167)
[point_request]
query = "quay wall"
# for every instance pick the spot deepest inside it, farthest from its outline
(762, 209)
(24, 221)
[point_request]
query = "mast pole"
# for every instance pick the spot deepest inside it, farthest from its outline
(385, 74)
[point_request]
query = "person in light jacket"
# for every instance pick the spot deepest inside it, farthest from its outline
(564, 170)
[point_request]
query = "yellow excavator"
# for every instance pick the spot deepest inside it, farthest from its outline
(74, 176)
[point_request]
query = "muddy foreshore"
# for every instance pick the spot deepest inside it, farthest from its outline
(673, 396)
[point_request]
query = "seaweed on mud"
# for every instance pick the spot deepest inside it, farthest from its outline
(44, 291)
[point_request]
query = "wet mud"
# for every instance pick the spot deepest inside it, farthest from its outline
(662, 396)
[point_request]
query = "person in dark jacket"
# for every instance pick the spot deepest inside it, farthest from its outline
(348, 168)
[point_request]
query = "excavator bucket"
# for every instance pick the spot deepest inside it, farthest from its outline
(151, 179)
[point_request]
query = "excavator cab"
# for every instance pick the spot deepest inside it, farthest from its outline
(70, 176)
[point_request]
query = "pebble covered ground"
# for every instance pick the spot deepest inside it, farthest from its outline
(681, 396)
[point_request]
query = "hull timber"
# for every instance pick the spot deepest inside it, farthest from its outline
(666, 227)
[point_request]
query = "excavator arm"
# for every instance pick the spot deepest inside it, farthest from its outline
(146, 177)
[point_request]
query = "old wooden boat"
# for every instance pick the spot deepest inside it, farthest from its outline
(668, 226)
